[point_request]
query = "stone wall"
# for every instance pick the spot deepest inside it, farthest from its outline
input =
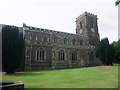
(45, 48)
(85, 24)
(52, 42)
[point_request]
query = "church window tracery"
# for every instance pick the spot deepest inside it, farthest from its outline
(65, 41)
(81, 42)
(74, 41)
(54, 39)
(40, 54)
(61, 55)
(91, 56)
(74, 56)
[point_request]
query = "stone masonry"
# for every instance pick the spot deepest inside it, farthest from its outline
(47, 49)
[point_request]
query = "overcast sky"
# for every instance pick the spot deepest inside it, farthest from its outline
(60, 15)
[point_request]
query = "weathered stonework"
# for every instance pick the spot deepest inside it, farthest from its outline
(79, 46)
(46, 49)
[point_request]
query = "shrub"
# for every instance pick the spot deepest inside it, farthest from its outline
(12, 48)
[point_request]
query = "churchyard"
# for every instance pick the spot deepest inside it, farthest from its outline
(87, 77)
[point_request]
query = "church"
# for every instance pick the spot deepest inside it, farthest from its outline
(49, 49)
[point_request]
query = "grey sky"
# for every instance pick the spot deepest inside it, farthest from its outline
(60, 15)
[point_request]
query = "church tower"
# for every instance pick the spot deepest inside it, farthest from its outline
(86, 26)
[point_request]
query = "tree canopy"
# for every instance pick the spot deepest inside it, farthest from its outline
(12, 48)
(117, 2)
(105, 52)
(117, 51)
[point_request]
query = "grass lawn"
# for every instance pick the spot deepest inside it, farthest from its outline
(88, 77)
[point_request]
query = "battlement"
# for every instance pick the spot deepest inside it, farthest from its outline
(46, 30)
(86, 14)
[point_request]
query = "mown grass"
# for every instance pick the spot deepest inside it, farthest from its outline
(88, 77)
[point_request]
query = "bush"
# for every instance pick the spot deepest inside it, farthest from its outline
(12, 48)
(105, 52)
(117, 51)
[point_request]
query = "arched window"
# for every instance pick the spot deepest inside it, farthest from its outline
(61, 55)
(48, 39)
(37, 55)
(40, 54)
(81, 42)
(91, 56)
(92, 24)
(65, 41)
(36, 38)
(80, 24)
(30, 37)
(74, 41)
(74, 56)
(54, 39)
(45, 39)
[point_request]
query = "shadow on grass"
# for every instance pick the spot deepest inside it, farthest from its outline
(45, 72)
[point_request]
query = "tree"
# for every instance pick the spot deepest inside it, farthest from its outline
(117, 2)
(105, 52)
(12, 48)
(117, 51)
(111, 54)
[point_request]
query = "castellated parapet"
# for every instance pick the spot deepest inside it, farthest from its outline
(45, 48)
(62, 38)
(86, 14)
(46, 30)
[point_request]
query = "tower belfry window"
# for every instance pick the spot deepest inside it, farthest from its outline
(80, 24)
(92, 24)
(92, 29)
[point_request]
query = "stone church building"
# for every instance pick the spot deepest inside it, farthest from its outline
(45, 48)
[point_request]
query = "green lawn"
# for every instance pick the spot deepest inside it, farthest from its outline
(88, 77)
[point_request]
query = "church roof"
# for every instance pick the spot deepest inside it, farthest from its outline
(117, 2)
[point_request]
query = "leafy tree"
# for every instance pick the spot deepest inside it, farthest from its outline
(105, 52)
(111, 54)
(12, 48)
(117, 51)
